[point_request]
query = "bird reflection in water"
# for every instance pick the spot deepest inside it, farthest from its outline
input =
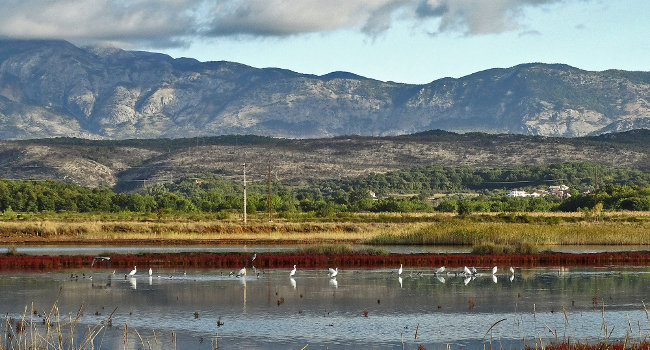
(333, 282)
(134, 283)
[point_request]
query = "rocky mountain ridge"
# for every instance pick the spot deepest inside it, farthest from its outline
(53, 88)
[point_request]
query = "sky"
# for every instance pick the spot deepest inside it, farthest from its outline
(408, 41)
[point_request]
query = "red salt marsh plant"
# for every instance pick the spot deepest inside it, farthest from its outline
(343, 260)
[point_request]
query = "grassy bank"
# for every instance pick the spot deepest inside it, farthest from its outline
(539, 230)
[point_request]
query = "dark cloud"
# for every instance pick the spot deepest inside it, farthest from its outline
(167, 23)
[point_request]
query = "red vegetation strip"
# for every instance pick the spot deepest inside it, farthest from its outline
(207, 260)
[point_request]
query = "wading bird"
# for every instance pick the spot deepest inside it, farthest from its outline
(241, 272)
(440, 270)
(399, 271)
(101, 258)
(512, 271)
(251, 259)
(293, 272)
(150, 271)
(333, 272)
(135, 269)
(494, 270)
(466, 271)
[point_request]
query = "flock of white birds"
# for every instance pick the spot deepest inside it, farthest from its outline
(467, 273)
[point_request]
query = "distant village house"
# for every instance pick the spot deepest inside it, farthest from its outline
(559, 191)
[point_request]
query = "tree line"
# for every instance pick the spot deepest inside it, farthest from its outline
(399, 191)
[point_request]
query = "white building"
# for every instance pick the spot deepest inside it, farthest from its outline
(518, 194)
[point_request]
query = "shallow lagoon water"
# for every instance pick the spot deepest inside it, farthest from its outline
(273, 311)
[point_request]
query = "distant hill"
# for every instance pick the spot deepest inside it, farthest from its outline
(136, 163)
(53, 88)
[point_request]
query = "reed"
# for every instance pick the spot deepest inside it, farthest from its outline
(52, 332)
(466, 232)
(407, 229)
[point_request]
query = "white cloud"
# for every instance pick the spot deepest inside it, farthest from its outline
(285, 17)
(153, 22)
(163, 23)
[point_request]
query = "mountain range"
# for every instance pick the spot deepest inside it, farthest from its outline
(54, 88)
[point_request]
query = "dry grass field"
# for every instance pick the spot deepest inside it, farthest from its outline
(540, 230)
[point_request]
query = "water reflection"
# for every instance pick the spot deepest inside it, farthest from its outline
(467, 280)
(269, 313)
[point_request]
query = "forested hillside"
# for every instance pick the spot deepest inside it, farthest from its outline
(479, 190)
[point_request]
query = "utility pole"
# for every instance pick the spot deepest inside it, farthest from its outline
(268, 197)
(244, 193)
(595, 186)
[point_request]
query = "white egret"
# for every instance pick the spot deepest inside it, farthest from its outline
(293, 272)
(473, 270)
(466, 271)
(399, 271)
(512, 271)
(440, 270)
(135, 269)
(333, 272)
(241, 272)
(494, 270)
(150, 271)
